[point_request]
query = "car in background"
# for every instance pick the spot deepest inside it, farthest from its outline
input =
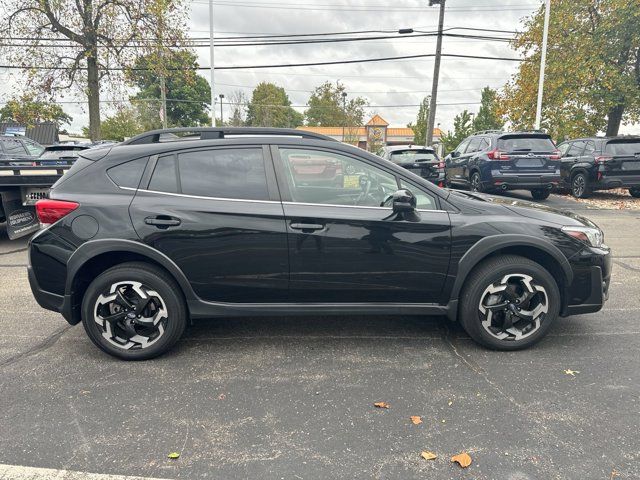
(17, 150)
(423, 161)
(600, 163)
(61, 154)
(492, 160)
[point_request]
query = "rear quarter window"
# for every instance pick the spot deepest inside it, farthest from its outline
(128, 174)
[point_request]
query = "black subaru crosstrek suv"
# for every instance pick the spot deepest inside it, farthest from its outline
(600, 163)
(423, 161)
(493, 160)
(141, 238)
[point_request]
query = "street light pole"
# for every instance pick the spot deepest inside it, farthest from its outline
(211, 63)
(436, 74)
(543, 61)
(221, 116)
(344, 113)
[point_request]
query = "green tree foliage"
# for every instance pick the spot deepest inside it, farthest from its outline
(592, 76)
(28, 111)
(181, 83)
(124, 124)
(270, 107)
(488, 117)
(462, 128)
(326, 108)
(420, 127)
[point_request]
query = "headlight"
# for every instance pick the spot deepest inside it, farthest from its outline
(590, 236)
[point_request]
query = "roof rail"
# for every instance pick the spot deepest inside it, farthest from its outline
(216, 133)
(484, 132)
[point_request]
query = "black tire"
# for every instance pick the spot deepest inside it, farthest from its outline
(168, 307)
(475, 183)
(580, 187)
(540, 193)
(635, 192)
(490, 274)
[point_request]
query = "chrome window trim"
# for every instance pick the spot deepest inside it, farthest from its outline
(268, 201)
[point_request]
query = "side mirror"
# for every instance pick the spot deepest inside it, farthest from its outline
(403, 201)
(455, 154)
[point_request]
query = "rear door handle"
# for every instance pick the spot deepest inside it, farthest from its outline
(307, 226)
(162, 221)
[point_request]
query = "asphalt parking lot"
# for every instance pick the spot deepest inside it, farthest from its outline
(293, 398)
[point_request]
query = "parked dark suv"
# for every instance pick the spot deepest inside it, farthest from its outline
(422, 161)
(142, 237)
(495, 160)
(600, 163)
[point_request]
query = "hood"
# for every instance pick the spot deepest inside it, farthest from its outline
(536, 211)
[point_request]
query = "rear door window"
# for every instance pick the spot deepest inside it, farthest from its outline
(627, 148)
(237, 173)
(165, 175)
(525, 143)
(474, 145)
(576, 149)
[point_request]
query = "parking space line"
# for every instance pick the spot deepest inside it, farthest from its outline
(18, 472)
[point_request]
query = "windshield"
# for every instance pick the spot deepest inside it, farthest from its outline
(623, 148)
(412, 156)
(526, 144)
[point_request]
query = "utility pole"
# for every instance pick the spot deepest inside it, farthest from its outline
(212, 70)
(543, 61)
(436, 74)
(221, 116)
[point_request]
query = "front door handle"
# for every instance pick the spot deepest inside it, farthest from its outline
(162, 221)
(309, 227)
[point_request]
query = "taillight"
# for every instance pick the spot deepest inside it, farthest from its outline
(555, 155)
(603, 158)
(497, 155)
(50, 211)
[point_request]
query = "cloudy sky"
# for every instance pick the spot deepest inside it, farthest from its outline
(388, 86)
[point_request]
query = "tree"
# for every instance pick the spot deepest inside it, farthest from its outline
(488, 117)
(592, 76)
(28, 111)
(238, 103)
(462, 128)
(124, 124)
(326, 108)
(420, 127)
(80, 44)
(181, 83)
(270, 107)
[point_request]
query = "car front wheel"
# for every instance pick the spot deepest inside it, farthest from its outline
(134, 311)
(540, 193)
(509, 303)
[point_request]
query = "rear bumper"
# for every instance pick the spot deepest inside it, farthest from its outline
(617, 181)
(522, 181)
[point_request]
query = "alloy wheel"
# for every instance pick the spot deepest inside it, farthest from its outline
(475, 182)
(131, 315)
(513, 308)
(579, 185)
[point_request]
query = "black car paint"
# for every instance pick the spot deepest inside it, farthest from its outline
(610, 174)
(242, 257)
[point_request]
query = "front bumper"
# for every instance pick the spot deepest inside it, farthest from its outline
(590, 287)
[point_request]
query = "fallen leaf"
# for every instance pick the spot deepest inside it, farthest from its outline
(416, 420)
(381, 405)
(222, 396)
(427, 455)
(173, 455)
(571, 372)
(444, 421)
(450, 403)
(462, 459)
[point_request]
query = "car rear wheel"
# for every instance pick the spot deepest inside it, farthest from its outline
(540, 193)
(134, 311)
(509, 303)
(580, 186)
(476, 183)
(635, 192)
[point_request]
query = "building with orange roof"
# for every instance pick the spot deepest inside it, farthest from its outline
(374, 134)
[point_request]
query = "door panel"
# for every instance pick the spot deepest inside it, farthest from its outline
(230, 250)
